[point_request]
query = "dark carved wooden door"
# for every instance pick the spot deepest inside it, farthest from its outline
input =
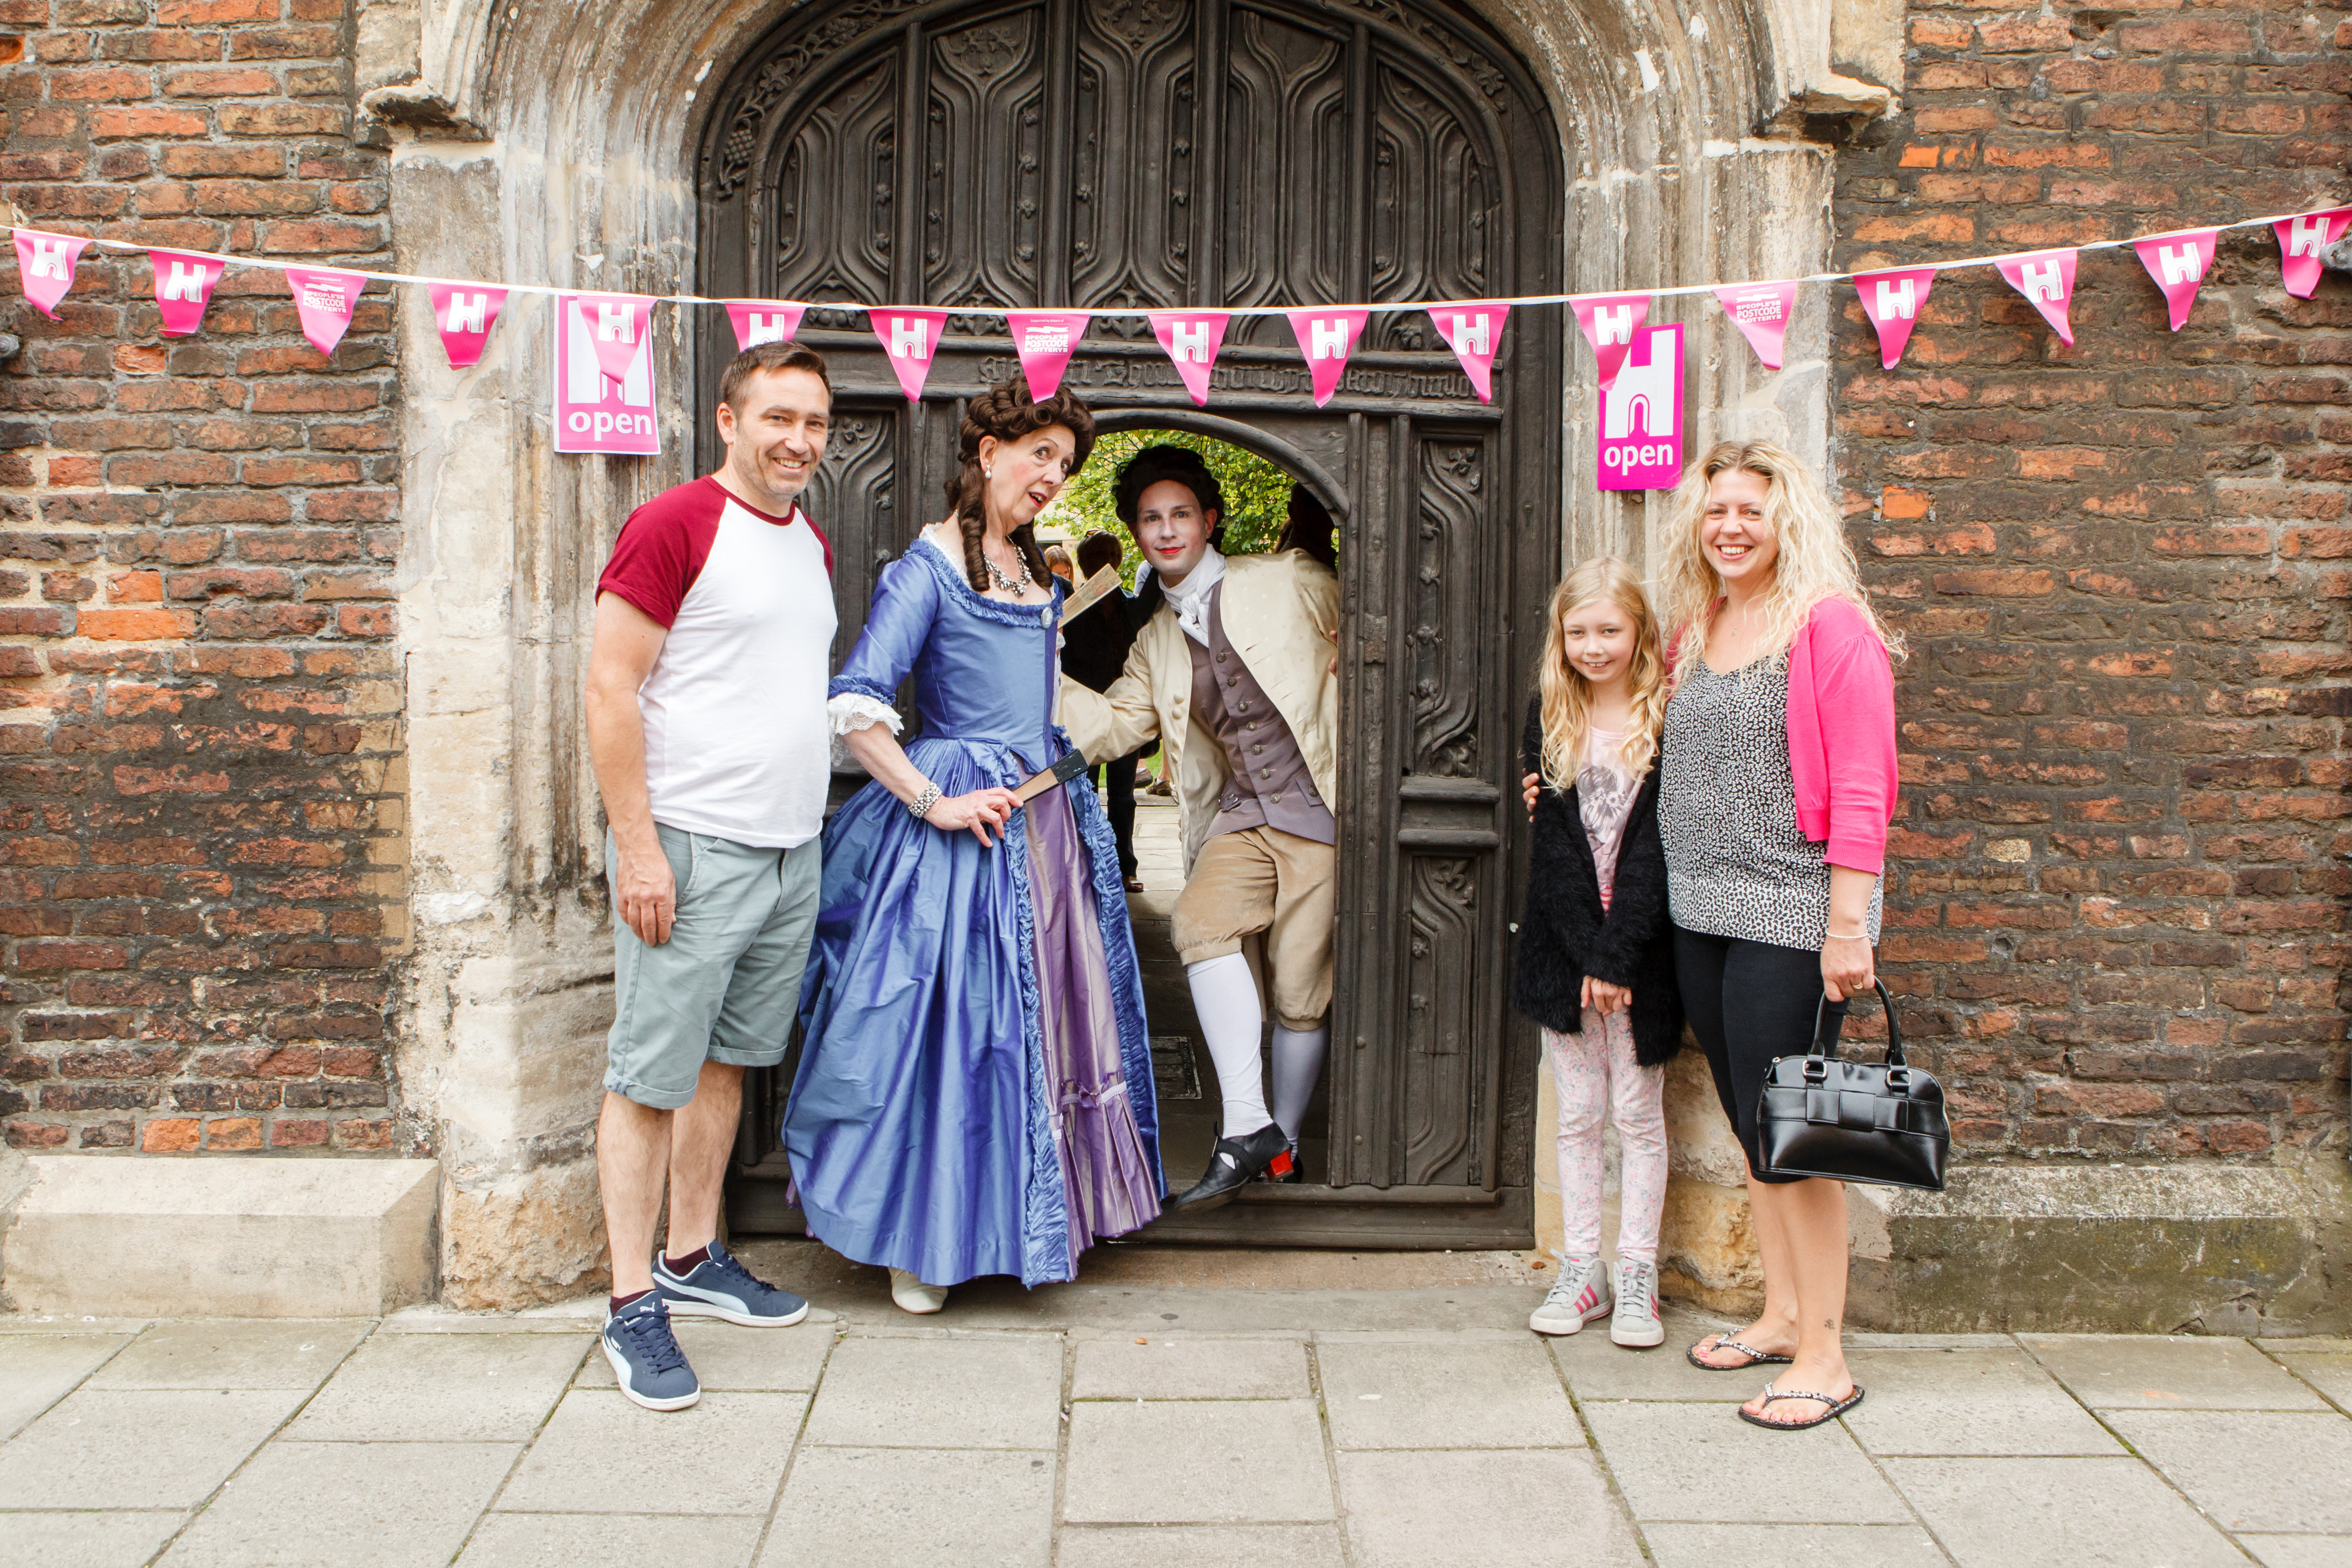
(1120, 154)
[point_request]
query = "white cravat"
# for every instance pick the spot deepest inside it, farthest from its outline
(1191, 597)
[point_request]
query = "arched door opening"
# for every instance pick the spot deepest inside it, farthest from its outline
(1129, 154)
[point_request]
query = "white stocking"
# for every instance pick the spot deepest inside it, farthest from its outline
(1298, 1064)
(1224, 996)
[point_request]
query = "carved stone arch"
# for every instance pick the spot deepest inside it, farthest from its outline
(1289, 456)
(558, 141)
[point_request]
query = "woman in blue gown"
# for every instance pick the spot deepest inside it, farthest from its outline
(975, 1090)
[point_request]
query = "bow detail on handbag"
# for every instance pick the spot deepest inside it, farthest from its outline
(1877, 1122)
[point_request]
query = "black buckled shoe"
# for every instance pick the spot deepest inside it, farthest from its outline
(1286, 1168)
(1236, 1163)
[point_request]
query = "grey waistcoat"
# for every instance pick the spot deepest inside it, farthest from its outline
(1267, 783)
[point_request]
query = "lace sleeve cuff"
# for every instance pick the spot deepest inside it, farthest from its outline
(854, 710)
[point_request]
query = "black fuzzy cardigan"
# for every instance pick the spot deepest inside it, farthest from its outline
(1566, 935)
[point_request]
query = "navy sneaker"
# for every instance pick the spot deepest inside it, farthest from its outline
(646, 1362)
(720, 1287)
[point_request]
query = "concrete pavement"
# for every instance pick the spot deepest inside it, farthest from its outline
(1175, 1406)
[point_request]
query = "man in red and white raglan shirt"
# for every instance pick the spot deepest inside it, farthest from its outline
(707, 726)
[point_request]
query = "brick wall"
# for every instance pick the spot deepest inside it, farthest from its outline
(198, 705)
(2120, 911)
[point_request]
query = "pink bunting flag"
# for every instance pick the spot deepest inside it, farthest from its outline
(758, 322)
(1327, 337)
(1474, 333)
(183, 286)
(911, 337)
(1761, 312)
(464, 313)
(616, 328)
(44, 267)
(1191, 340)
(2178, 263)
(2301, 239)
(1893, 301)
(2047, 279)
(1045, 340)
(324, 298)
(1610, 321)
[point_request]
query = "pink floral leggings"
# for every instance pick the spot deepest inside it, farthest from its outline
(1591, 1069)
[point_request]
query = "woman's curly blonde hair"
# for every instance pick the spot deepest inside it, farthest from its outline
(1815, 561)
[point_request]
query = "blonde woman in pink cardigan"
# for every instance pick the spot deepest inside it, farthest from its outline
(1778, 784)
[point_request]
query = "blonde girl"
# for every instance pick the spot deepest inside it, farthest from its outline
(1595, 965)
(1773, 808)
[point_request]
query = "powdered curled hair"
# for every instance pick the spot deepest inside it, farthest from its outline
(1004, 411)
(1815, 562)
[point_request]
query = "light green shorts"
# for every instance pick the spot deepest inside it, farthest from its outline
(727, 984)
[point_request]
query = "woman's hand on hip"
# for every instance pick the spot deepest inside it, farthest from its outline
(1605, 998)
(1533, 785)
(980, 810)
(1848, 966)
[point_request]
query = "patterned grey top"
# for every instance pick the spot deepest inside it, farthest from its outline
(1736, 863)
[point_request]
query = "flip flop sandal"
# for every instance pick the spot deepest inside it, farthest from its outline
(1837, 1407)
(1755, 1357)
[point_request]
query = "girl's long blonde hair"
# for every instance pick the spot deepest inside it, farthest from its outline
(1568, 696)
(1815, 561)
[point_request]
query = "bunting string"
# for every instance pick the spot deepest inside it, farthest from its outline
(604, 373)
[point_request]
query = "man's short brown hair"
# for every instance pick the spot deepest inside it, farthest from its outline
(788, 355)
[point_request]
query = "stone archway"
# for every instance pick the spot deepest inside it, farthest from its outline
(548, 141)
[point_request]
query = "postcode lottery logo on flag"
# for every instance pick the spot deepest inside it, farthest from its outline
(1642, 414)
(595, 409)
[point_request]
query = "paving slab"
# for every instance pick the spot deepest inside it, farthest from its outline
(1596, 1369)
(915, 1508)
(1194, 1545)
(725, 1357)
(374, 1505)
(138, 1449)
(600, 1453)
(995, 1392)
(2174, 1371)
(2299, 1551)
(233, 1353)
(38, 1370)
(1529, 1508)
(480, 1388)
(68, 1323)
(2059, 1513)
(1192, 1369)
(2330, 1373)
(1443, 1394)
(1792, 1545)
(83, 1540)
(1967, 1402)
(1701, 1463)
(610, 1541)
(1196, 1462)
(2268, 1471)
(2315, 1345)
(585, 1316)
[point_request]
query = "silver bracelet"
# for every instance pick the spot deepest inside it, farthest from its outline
(1862, 936)
(920, 806)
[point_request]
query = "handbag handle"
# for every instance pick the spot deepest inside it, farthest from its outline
(1828, 1025)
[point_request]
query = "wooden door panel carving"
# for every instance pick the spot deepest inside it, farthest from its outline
(1136, 155)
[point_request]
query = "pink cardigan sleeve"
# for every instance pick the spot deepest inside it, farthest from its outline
(1842, 735)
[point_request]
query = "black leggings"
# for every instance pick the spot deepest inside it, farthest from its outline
(1748, 1003)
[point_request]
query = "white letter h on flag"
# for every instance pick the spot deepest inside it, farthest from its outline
(2178, 265)
(1613, 326)
(906, 338)
(1469, 334)
(1189, 340)
(49, 259)
(467, 312)
(1327, 340)
(2039, 283)
(613, 323)
(2307, 235)
(1891, 304)
(185, 283)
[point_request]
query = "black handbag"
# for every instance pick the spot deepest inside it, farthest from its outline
(1877, 1122)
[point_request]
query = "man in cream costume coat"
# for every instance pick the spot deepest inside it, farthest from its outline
(1233, 675)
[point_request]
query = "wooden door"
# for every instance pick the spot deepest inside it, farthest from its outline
(1123, 154)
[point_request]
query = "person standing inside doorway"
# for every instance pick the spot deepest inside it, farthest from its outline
(1094, 651)
(706, 724)
(1234, 673)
